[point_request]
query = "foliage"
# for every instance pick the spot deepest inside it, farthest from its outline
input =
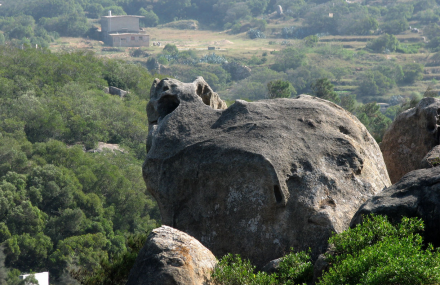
(289, 58)
(60, 206)
(378, 252)
(280, 89)
(323, 88)
(113, 270)
(395, 26)
(412, 72)
(376, 123)
(294, 268)
(232, 270)
(311, 41)
(150, 20)
(384, 43)
(170, 49)
(256, 34)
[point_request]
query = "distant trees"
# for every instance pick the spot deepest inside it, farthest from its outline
(289, 58)
(150, 20)
(395, 26)
(412, 72)
(61, 207)
(383, 43)
(323, 88)
(280, 89)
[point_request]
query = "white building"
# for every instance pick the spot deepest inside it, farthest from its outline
(123, 31)
(42, 278)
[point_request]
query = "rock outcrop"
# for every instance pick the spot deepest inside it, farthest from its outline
(432, 159)
(417, 194)
(258, 178)
(411, 136)
(171, 257)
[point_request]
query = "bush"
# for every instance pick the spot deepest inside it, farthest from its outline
(256, 34)
(150, 20)
(395, 26)
(323, 88)
(280, 89)
(294, 268)
(378, 252)
(412, 72)
(384, 43)
(232, 270)
(170, 49)
(289, 58)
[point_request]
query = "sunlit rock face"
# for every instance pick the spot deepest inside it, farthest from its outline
(411, 136)
(257, 178)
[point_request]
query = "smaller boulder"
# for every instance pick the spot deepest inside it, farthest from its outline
(417, 194)
(432, 159)
(279, 10)
(272, 266)
(410, 137)
(172, 257)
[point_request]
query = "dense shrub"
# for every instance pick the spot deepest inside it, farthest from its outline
(384, 43)
(378, 252)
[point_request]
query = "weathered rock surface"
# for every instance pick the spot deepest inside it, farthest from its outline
(411, 136)
(432, 159)
(279, 10)
(117, 91)
(258, 178)
(171, 257)
(417, 194)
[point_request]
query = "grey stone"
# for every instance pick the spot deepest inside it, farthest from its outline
(279, 10)
(272, 266)
(258, 178)
(320, 267)
(116, 91)
(410, 137)
(432, 159)
(171, 257)
(417, 194)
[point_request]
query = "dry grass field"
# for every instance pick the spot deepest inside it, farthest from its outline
(241, 47)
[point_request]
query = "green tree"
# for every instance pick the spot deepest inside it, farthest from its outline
(383, 43)
(376, 123)
(395, 26)
(378, 252)
(289, 58)
(311, 40)
(412, 72)
(95, 10)
(280, 89)
(170, 49)
(150, 20)
(323, 88)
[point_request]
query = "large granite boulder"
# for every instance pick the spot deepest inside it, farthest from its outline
(171, 257)
(417, 194)
(411, 136)
(258, 178)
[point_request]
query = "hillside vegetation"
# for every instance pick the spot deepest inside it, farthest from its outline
(61, 206)
(65, 207)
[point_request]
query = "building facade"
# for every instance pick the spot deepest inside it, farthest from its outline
(123, 31)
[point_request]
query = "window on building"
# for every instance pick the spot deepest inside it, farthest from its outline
(140, 38)
(132, 38)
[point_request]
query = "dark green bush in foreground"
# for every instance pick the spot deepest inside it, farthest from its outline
(375, 252)
(295, 268)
